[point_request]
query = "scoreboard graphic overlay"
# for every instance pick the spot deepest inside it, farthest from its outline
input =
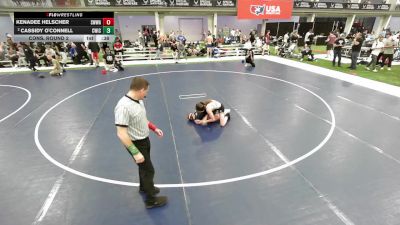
(64, 26)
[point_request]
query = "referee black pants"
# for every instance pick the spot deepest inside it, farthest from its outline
(146, 169)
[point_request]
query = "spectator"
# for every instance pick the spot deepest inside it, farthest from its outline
(174, 49)
(377, 48)
(172, 36)
(140, 37)
(329, 44)
(21, 56)
(72, 52)
(146, 35)
(118, 48)
(294, 37)
(81, 53)
(62, 50)
(41, 55)
(309, 37)
(109, 58)
(160, 49)
(232, 35)
(13, 56)
(258, 43)
(9, 40)
(286, 38)
(181, 51)
(355, 50)
(242, 37)
(388, 51)
(247, 45)
(267, 39)
(337, 50)
(29, 56)
(237, 35)
(265, 49)
(94, 48)
(49, 52)
(181, 38)
(2, 53)
(216, 52)
(156, 38)
(225, 31)
(307, 52)
(252, 36)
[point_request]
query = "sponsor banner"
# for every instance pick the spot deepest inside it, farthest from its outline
(352, 6)
(301, 4)
(264, 9)
(335, 5)
(382, 6)
(161, 3)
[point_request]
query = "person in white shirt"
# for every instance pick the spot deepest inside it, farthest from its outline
(258, 43)
(49, 51)
(286, 38)
(307, 38)
(377, 47)
(247, 45)
(233, 35)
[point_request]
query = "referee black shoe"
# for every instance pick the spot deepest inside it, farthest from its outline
(157, 202)
(156, 190)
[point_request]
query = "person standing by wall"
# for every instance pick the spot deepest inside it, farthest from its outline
(94, 48)
(29, 55)
(267, 41)
(133, 131)
(209, 41)
(118, 48)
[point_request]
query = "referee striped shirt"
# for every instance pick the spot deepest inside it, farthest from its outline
(131, 113)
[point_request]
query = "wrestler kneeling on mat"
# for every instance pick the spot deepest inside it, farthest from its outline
(209, 111)
(249, 58)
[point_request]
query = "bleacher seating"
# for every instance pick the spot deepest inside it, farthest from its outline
(136, 53)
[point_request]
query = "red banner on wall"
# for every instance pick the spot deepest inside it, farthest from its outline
(264, 9)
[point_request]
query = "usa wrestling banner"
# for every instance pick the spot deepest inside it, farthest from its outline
(264, 9)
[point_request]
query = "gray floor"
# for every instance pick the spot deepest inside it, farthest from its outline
(352, 179)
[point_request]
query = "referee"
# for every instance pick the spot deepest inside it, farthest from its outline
(133, 131)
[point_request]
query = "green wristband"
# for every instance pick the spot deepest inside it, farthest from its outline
(132, 148)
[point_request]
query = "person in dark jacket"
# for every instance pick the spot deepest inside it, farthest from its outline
(95, 49)
(29, 56)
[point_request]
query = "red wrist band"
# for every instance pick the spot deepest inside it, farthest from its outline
(152, 126)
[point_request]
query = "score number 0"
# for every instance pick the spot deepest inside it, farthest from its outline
(108, 21)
